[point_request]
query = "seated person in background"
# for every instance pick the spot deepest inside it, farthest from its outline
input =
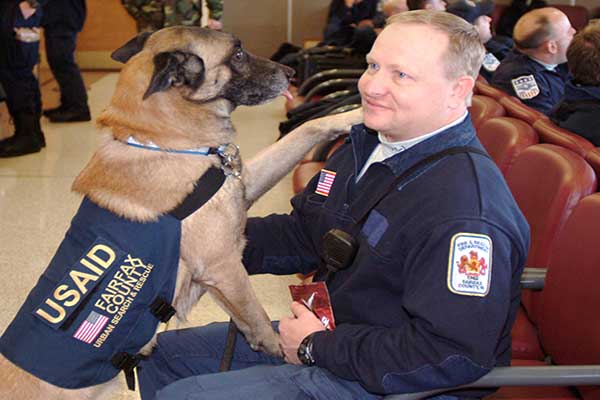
(430, 296)
(513, 12)
(344, 17)
(579, 111)
(439, 5)
(536, 70)
(477, 13)
(392, 7)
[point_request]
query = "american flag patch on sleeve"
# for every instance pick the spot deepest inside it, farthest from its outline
(325, 182)
(89, 329)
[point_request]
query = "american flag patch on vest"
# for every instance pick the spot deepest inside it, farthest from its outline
(325, 182)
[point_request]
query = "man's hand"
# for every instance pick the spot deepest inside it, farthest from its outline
(292, 330)
(26, 9)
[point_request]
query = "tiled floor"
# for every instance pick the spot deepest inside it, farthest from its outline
(36, 204)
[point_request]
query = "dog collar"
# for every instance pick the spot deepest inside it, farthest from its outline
(229, 153)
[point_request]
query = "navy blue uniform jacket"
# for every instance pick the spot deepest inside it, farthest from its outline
(579, 112)
(513, 77)
(399, 326)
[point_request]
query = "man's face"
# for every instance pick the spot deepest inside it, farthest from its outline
(439, 5)
(482, 25)
(562, 34)
(405, 92)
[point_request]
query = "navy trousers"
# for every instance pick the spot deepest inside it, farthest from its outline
(185, 364)
(18, 59)
(60, 51)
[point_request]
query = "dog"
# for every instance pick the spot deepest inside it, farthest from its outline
(166, 129)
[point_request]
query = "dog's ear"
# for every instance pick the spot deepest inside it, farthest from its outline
(131, 48)
(175, 68)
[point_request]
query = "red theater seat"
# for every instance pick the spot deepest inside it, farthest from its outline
(505, 138)
(488, 90)
(578, 15)
(547, 181)
(483, 108)
(306, 170)
(569, 325)
(551, 133)
(516, 109)
(593, 158)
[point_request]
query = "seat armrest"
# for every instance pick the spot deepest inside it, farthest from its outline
(568, 375)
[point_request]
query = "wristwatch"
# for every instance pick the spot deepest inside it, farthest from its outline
(305, 351)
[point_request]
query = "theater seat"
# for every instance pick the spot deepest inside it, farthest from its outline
(578, 15)
(488, 90)
(483, 108)
(551, 133)
(516, 109)
(306, 170)
(547, 181)
(593, 158)
(505, 138)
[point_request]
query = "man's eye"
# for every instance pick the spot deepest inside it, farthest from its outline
(374, 66)
(401, 75)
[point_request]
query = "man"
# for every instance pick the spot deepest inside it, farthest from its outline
(579, 111)
(478, 15)
(439, 5)
(536, 71)
(431, 294)
(19, 53)
(62, 21)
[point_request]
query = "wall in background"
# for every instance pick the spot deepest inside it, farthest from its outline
(262, 25)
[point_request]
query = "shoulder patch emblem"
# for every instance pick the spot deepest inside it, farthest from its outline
(470, 264)
(525, 87)
(490, 62)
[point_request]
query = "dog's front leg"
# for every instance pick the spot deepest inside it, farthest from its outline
(267, 168)
(230, 287)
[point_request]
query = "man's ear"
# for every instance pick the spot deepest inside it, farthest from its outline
(463, 88)
(551, 46)
(131, 48)
(175, 68)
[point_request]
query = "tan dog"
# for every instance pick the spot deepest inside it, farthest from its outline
(176, 92)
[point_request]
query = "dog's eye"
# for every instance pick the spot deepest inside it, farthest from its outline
(239, 55)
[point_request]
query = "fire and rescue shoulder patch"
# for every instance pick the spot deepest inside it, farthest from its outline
(525, 87)
(470, 264)
(490, 62)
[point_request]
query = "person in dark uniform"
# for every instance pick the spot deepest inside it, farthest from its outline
(477, 13)
(430, 295)
(62, 21)
(19, 53)
(536, 70)
(345, 17)
(579, 111)
(512, 13)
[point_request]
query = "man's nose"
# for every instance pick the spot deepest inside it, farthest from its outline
(373, 84)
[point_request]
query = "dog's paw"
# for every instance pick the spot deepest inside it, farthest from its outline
(268, 344)
(332, 126)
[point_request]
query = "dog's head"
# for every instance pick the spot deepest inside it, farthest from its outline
(205, 65)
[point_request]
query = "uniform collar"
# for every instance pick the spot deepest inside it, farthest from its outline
(365, 140)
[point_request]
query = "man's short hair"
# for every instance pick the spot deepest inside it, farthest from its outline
(583, 56)
(542, 32)
(465, 52)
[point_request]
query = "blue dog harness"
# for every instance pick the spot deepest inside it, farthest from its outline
(101, 298)
(110, 277)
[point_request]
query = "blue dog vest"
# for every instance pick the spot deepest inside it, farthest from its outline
(94, 300)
